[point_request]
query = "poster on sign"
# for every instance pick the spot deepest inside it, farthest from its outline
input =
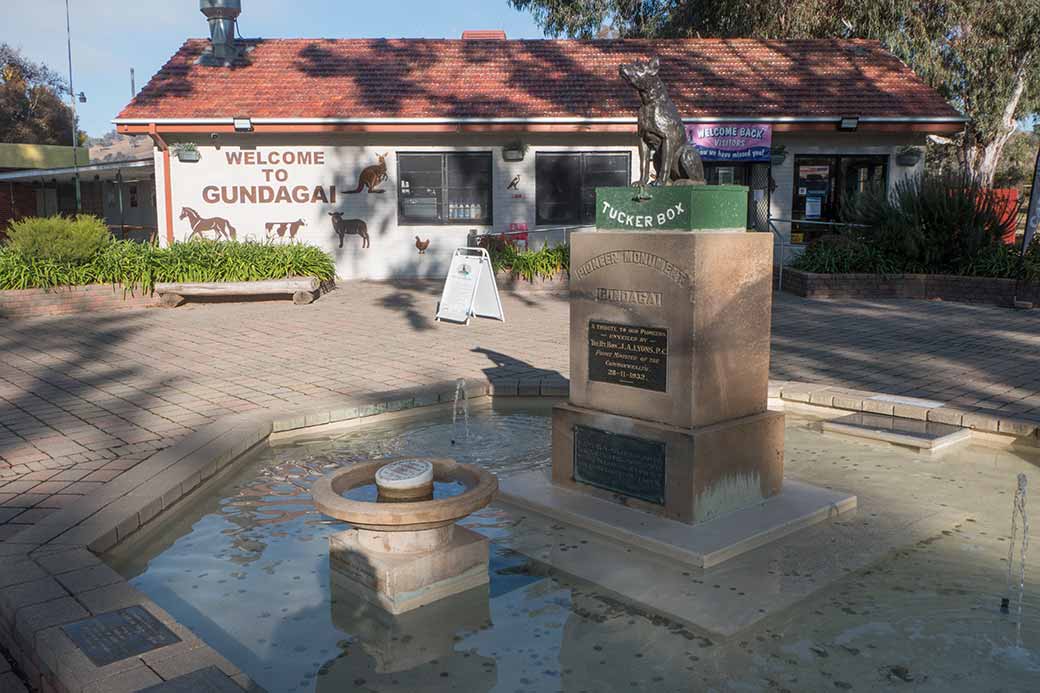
(469, 288)
(731, 141)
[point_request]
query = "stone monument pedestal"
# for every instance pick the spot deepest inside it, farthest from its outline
(670, 373)
(688, 474)
(667, 444)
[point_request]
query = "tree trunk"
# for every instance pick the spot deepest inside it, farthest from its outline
(981, 159)
(982, 154)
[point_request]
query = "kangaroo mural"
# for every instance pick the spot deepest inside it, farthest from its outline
(221, 228)
(278, 229)
(349, 227)
(371, 176)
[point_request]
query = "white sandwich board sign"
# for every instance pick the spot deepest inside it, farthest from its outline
(470, 288)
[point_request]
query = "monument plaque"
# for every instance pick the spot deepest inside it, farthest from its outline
(628, 355)
(619, 463)
(118, 635)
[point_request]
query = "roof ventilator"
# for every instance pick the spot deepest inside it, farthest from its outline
(222, 16)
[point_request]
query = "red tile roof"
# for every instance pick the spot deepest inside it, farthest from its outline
(454, 79)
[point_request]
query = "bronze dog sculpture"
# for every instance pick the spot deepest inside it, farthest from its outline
(662, 136)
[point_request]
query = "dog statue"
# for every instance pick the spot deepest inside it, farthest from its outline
(662, 135)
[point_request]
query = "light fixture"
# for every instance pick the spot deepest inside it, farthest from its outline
(849, 123)
(82, 97)
(243, 124)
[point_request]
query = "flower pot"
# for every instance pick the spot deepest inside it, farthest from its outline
(188, 155)
(908, 158)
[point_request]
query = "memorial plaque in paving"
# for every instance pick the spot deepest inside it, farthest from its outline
(623, 464)
(628, 355)
(117, 635)
(208, 680)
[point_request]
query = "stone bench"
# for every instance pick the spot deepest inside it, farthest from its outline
(303, 290)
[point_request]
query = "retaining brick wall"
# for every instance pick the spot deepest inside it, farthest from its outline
(943, 287)
(26, 303)
(558, 284)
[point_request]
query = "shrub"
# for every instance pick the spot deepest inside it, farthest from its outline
(545, 262)
(930, 223)
(58, 239)
(844, 254)
(136, 265)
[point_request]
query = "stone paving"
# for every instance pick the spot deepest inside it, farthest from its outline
(84, 398)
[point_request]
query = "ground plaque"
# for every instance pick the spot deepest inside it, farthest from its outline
(623, 464)
(118, 635)
(208, 680)
(628, 355)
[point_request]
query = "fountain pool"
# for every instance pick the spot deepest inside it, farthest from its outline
(904, 592)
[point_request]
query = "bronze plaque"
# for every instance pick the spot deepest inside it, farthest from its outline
(118, 635)
(623, 464)
(628, 355)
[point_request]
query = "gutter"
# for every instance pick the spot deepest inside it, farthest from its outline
(547, 121)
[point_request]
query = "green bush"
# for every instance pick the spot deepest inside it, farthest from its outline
(58, 239)
(136, 265)
(545, 262)
(933, 223)
(845, 254)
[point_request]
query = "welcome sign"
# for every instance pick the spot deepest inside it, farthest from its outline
(735, 142)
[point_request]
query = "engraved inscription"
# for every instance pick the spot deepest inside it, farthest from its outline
(633, 257)
(628, 355)
(117, 635)
(622, 464)
(640, 298)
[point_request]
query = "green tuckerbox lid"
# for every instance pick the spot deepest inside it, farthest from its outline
(673, 208)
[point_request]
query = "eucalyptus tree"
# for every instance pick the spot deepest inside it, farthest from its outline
(982, 55)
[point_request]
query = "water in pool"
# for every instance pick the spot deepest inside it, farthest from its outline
(244, 564)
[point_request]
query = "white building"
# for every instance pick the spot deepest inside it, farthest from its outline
(438, 139)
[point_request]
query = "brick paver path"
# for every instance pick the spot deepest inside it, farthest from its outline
(83, 398)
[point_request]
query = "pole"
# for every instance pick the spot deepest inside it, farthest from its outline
(72, 99)
(133, 86)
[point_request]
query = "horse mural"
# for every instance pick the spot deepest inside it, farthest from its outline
(200, 226)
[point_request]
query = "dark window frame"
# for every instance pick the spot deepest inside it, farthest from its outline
(583, 155)
(836, 192)
(443, 197)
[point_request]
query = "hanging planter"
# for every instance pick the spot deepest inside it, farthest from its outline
(186, 152)
(777, 155)
(514, 151)
(908, 156)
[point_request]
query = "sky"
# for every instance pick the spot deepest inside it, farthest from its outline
(110, 37)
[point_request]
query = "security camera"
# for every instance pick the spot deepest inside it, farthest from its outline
(214, 135)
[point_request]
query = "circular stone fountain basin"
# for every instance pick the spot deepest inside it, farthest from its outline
(481, 487)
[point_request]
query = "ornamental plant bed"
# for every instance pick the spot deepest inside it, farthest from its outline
(557, 283)
(935, 287)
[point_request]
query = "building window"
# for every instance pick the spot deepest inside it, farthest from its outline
(133, 195)
(565, 183)
(450, 188)
(823, 184)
